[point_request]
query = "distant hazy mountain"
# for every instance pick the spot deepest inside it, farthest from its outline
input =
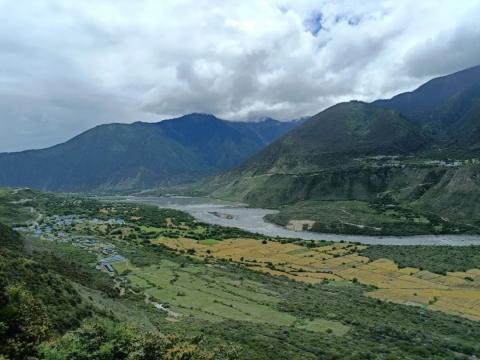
(140, 155)
(421, 147)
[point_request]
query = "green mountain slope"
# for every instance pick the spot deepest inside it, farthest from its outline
(139, 155)
(341, 132)
(448, 107)
(308, 161)
(416, 153)
(108, 156)
(420, 104)
(460, 120)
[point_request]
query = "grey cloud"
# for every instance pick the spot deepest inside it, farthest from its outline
(35, 122)
(447, 52)
(67, 66)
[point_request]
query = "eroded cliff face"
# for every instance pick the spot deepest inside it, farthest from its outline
(455, 195)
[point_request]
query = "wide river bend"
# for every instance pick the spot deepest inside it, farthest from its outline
(252, 219)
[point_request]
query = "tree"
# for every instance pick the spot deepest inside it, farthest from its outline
(24, 322)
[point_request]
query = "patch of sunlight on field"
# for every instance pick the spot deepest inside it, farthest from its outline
(456, 293)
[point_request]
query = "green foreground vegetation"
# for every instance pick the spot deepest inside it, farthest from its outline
(162, 304)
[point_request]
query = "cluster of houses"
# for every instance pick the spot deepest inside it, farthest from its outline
(108, 251)
(87, 244)
(96, 221)
(68, 220)
(54, 228)
(446, 163)
(106, 263)
(111, 257)
(396, 161)
(43, 230)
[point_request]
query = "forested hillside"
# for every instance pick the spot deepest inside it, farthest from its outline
(140, 155)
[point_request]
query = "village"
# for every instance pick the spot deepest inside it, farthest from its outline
(385, 161)
(63, 229)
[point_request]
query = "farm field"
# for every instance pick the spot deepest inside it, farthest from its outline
(205, 293)
(456, 293)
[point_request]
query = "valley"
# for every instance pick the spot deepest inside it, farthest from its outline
(403, 166)
(160, 270)
(397, 167)
(240, 180)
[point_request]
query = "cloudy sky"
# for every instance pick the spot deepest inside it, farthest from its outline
(66, 66)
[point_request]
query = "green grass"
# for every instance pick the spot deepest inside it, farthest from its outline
(121, 266)
(322, 325)
(208, 242)
(12, 213)
(206, 294)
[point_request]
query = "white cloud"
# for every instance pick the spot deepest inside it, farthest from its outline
(68, 65)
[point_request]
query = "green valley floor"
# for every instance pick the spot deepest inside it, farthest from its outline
(113, 280)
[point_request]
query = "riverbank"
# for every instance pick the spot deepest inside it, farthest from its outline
(253, 220)
(364, 218)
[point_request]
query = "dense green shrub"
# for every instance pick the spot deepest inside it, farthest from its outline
(437, 259)
(103, 340)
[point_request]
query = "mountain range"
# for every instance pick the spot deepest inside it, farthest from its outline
(416, 154)
(141, 155)
(448, 107)
(418, 149)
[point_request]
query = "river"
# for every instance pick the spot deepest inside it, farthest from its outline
(252, 219)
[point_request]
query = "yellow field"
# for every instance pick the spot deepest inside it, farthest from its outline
(451, 293)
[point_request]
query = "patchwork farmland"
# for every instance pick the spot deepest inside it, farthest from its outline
(455, 293)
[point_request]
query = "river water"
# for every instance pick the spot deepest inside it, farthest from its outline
(252, 219)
